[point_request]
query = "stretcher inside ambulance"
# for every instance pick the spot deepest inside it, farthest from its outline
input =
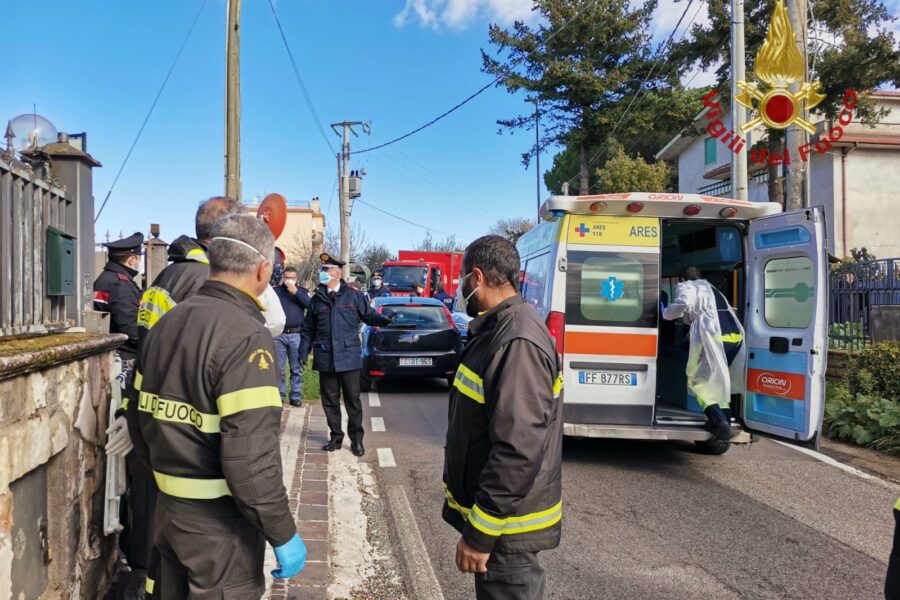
(600, 269)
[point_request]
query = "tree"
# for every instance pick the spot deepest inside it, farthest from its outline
(375, 255)
(849, 39)
(624, 174)
(512, 228)
(447, 244)
(584, 63)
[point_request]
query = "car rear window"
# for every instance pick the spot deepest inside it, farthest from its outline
(419, 316)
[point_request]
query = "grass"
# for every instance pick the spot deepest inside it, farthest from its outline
(310, 391)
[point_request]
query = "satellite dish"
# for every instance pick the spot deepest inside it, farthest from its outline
(273, 210)
(31, 131)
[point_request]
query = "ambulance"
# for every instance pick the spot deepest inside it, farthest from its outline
(599, 268)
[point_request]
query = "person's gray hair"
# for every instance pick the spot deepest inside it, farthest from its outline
(230, 256)
(211, 211)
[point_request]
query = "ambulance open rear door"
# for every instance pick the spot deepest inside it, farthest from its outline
(786, 325)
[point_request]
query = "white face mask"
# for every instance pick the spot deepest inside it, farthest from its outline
(462, 302)
(290, 281)
(376, 283)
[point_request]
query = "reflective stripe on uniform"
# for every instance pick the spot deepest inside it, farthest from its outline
(155, 303)
(469, 384)
(197, 255)
(495, 526)
(247, 399)
(190, 488)
(138, 380)
(175, 411)
(897, 504)
(558, 386)
(732, 338)
(149, 585)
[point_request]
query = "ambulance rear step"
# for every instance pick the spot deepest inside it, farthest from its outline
(656, 432)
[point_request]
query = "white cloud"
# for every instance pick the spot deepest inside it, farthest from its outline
(458, 14)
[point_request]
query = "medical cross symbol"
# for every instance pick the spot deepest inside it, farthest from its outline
(612, 289)
(582, 230)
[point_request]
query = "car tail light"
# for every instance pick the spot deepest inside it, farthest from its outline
(635, 207)
(376, 373)
(556, 324)
(692, 209)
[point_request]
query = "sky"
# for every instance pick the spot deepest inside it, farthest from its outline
(96, 65)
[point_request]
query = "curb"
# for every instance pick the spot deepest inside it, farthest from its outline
(423, 582)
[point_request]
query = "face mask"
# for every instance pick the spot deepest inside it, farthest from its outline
(376, 283)
(465, 301)
(290, 281)
(324, 277)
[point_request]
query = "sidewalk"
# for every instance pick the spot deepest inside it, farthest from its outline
(303, 431)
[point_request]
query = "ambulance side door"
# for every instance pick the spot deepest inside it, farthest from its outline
(787, 324)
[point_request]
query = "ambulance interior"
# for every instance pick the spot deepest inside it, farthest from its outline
(716, 248)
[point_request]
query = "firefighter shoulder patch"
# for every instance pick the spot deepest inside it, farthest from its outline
(262, 358)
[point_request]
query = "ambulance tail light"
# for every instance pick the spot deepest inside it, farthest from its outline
(556, 324)
(691, 210)
(635, 207)
(727, 212)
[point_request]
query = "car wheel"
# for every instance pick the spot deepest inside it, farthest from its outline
(713, 447)
(131, 585)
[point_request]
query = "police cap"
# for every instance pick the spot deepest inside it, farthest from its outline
(327, 259)
(129, 245)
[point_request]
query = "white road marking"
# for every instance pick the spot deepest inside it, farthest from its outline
(374, 400)
(836, 463)
(378, 424)
(386, 458)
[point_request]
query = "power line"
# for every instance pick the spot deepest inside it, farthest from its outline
(381, 210)
(637, 92)
(331, 200)
(480, 90)
(152, 106)
(306, 95)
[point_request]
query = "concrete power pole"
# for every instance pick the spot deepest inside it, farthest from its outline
(794, 135)
(738, 112)
(344, 183)
(233, 102)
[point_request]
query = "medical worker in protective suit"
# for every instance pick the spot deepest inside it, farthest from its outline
(716, 356)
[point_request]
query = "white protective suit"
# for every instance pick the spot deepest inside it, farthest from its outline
(709, 377)
(273, 312)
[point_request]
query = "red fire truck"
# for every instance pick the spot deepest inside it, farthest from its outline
(427, 268)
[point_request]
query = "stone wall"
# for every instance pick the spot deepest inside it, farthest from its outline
(54, 402)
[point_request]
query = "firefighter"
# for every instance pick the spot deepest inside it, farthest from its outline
(116, 293)
(503, 457)
(331, 329)
(715, 360)
(209, 414)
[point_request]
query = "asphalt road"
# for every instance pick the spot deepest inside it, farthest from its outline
(658, 520)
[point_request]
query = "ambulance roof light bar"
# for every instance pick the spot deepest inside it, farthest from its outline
(657, 205)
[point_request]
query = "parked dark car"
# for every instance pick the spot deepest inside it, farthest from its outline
(422, 341)
(462, 323)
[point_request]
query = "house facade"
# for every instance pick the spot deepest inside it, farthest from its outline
(857, 179)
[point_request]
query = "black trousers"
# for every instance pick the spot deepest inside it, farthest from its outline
(892, 581)
(330, 386)
(137, 539)
(518, 576)
(207, 551)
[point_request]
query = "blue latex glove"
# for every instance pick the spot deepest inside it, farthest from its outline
(291, 558)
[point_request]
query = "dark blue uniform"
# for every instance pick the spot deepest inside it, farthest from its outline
(331, 329)
(446, 298)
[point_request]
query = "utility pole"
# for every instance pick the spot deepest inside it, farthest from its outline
(233, 101)
(537, 154)
(795, 136)
(738, 112)
(344, 182)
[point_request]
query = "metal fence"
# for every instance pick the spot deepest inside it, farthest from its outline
(855, 289)
(28, 205)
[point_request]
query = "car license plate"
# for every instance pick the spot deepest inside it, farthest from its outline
(607, 378)
(415, 362)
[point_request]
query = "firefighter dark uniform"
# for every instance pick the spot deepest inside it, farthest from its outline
(503, 458)
(116, 293)
(892, 581)
(209, 414)
(331, 329)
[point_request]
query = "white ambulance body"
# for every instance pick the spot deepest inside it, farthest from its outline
(597, 269)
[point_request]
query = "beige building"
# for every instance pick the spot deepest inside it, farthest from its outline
(304, 232)
(856, 180)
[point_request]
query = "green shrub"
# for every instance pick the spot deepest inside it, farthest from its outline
(846, 336)
(875, 370)
(867, 420)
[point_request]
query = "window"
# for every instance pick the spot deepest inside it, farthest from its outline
(710, 150)
(612, 289)
(426, 317)
(535, 290)
(789, 292)
(401, 279)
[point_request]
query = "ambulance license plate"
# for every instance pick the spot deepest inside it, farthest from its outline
(415, 362)
(607, 378)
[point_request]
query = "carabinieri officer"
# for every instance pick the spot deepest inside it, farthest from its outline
(331, 329)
